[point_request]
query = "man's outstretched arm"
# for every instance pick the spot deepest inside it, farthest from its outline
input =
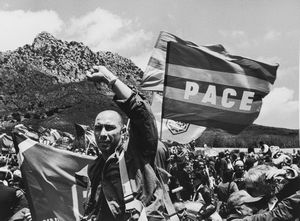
(143, 125)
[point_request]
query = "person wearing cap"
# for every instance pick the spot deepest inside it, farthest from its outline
(279, 188)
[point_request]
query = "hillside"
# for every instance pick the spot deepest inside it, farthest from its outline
(43, 84)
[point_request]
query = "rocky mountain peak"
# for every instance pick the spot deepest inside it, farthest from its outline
(46, 81)
(44, 39)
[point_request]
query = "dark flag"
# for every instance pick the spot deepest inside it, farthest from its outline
(56, 180)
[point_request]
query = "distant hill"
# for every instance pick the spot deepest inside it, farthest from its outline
(250, 137)
(43, 84)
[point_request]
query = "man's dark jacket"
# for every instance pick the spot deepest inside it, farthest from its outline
(106, 199)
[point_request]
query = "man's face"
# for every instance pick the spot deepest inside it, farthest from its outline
(108, 131)
(239, 168)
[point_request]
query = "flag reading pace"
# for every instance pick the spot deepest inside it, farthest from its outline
(153, 80)
(208, 87)
(55, 180)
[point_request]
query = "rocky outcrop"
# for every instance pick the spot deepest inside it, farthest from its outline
(44, 83)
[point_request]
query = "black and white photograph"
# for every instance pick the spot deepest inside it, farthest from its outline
(162, 110)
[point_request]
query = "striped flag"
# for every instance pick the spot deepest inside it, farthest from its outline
(208, 87)
(55, 179)
(153, 78)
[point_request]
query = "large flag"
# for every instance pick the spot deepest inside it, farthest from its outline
(55, 180)
(214, 89)
(153, 80)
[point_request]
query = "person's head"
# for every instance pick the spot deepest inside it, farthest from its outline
(227, 176)
(108, 129)
(234, 157)
(242, 155)
(251, 150)
(238, 165)
(221, 155)
(261, 144)
(242, 203)
(257, 183)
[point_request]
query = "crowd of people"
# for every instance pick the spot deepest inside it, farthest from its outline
(201, 186)
(166, 181)
(262, 185)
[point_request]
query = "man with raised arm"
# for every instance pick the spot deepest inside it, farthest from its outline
(124, 182)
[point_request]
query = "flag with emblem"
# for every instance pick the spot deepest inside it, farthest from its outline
(209, 87)
(173, 130)
(55, 180)
(153, 80)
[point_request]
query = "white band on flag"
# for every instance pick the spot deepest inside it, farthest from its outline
(23, 146)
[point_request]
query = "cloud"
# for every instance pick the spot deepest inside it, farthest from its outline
(232, 34)
(102, 30)
(287, 72)
(240, 38)
(141, 60)
(272, 35)
(279, 105)
(6, 5)
(269, 60)
(98, 29)
(20, 27)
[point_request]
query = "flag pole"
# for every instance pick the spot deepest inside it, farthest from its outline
(161, 118)
(164, 91)
(159, 132)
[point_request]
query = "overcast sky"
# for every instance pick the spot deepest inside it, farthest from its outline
(265, 30)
